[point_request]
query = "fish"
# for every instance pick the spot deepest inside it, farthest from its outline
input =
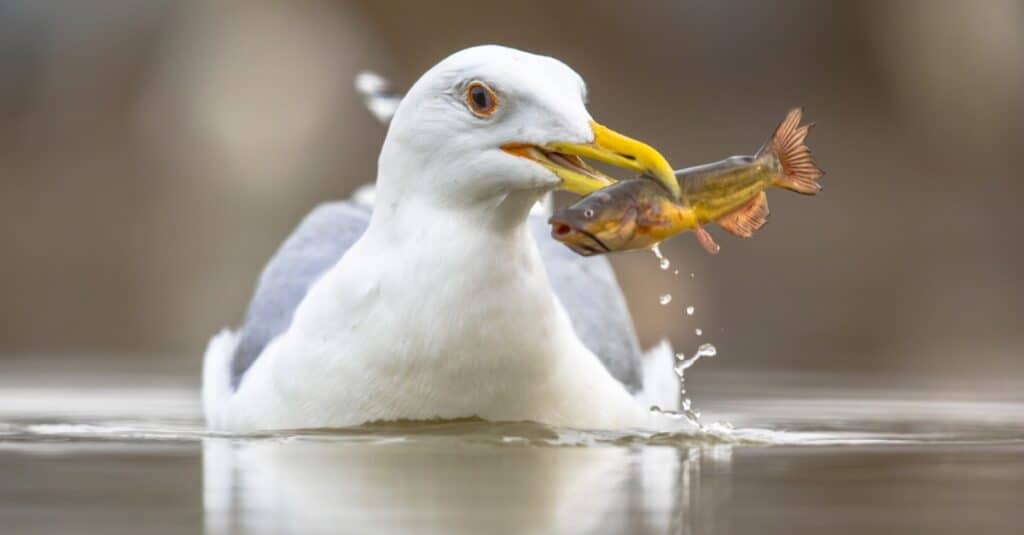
(640, 213)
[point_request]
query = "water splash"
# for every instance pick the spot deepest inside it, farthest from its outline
(704, 350)
(663, 262)
(686, 410)
(707, 350)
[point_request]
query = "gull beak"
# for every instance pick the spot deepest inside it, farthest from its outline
(610, 147)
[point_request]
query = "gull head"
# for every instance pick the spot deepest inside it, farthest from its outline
(489, 123)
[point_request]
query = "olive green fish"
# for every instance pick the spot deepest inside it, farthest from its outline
(640, 213)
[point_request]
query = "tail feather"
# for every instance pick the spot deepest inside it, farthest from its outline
(799, 171)
(379, 98)
(660, 383)
(217, 375)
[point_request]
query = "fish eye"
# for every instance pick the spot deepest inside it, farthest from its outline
(588, 213)
(480, 99)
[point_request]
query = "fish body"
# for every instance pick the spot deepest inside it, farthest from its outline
(640, 213)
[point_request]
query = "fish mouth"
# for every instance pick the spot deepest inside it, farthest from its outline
(565, 160)
(582, 242)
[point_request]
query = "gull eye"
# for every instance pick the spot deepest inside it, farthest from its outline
(481, 99)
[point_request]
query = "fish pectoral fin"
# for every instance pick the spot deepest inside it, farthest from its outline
(748, 218)
(706, 241)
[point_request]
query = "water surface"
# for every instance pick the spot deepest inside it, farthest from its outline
(108, 458)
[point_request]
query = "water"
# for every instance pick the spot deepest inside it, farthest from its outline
(706, 350)
(723, 430)
(685, 411)
(118, 452)
(663, 262)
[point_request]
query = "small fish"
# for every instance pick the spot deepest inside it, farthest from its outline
(640, 213)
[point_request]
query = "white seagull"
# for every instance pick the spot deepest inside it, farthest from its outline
(446, 298)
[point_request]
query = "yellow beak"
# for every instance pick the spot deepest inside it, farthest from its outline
(610, 147)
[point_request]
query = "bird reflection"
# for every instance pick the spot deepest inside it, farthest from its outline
(461, 483)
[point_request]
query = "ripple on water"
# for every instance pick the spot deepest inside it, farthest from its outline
(832, 422)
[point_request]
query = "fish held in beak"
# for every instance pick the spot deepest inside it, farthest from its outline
(632, 214)
(638, 213)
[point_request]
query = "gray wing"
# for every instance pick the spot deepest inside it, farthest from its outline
(317, 244)
(586, 287)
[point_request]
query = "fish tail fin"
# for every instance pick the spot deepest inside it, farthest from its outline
(798, 170)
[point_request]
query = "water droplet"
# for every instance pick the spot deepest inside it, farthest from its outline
(698, 332)
(675, 272)
(691, 275)
(669, 414)
(665, 299)
(689, 310)
(685, 404)
(663, 262)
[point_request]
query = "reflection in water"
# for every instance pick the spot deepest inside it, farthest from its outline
(444, 485)
(111, 460)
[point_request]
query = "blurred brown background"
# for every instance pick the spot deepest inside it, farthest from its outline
(154, 154)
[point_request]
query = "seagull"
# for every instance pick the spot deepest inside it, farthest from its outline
(438, 293)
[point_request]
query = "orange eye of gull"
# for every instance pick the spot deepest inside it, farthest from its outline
(481, 99)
